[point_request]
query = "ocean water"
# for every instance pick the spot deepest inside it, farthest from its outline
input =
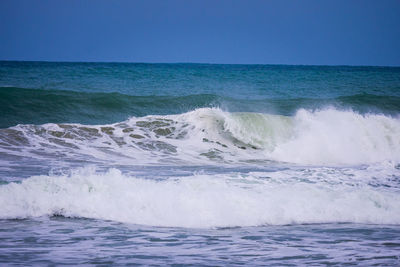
(198, 164)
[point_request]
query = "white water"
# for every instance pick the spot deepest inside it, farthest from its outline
(313, 195)
(359, 180)
(211, 136)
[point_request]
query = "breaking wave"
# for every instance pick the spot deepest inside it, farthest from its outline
(322, 137)
(325, 195)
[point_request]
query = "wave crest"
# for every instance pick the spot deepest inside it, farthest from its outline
(328, 136)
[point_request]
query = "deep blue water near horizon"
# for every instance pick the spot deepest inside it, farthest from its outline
(199, 164)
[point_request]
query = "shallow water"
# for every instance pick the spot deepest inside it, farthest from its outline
(58, 240)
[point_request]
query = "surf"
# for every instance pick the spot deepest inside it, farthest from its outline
(207, 201)
(210, 135)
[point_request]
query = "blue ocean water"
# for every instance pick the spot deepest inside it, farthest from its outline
(199, 164)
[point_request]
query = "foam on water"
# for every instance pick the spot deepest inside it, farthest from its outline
(212, 136)
(314, 147)
(316, 195)
(341, 137)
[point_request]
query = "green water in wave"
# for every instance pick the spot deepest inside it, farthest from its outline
(100, 93)
(37, 106)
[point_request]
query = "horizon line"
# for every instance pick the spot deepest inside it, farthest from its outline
(200, 63)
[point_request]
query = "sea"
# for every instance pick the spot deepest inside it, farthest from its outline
(199, 164)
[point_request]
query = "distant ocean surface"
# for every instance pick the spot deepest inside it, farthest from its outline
(199, 164)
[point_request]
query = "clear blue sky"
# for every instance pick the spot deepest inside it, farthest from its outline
(331, 32)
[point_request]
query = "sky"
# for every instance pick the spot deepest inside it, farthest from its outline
(306, 32)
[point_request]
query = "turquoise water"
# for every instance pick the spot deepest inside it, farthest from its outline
(111, 163)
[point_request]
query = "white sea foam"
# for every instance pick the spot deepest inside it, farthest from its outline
(325, 137)
(203, 201)
(212, 136)
(341, 137)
